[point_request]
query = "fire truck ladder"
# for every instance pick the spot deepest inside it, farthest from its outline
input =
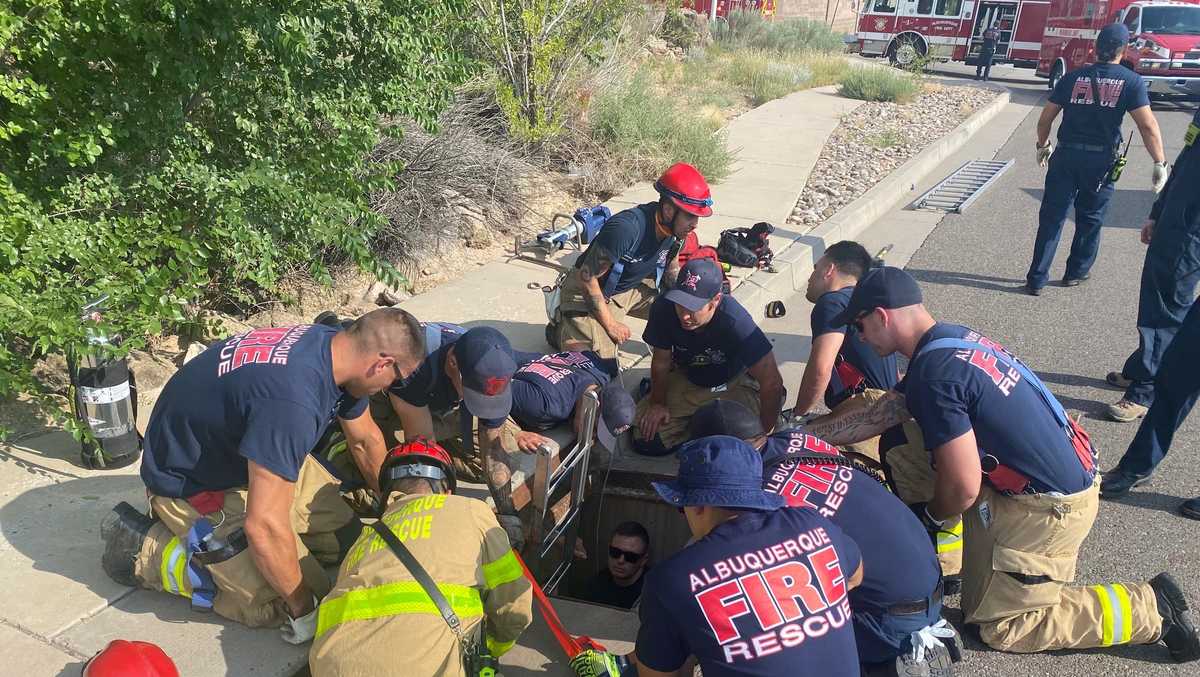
(956, 192)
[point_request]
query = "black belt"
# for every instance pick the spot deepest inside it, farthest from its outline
(1091, 148)
(918, 607)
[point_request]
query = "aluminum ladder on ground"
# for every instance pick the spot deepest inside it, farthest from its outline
(551, 471)
(956, 192)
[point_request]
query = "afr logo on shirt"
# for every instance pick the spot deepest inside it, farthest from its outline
(1110, 91)
(260, 346)
(1002, 375)
(794, 590)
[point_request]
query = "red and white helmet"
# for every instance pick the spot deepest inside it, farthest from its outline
(686, 187)
(419, 457)
(123, 658)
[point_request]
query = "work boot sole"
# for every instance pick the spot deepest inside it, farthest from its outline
(1180, 635)
(1117, 380)
(123, 531)
(936, 663)
(1191, 509)
(1117, 493)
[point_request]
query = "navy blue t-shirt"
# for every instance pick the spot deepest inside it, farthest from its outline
(762, 594)
(715, 353)
(265, 395)
(545, 390)
(949, 392)
(899, 562)
(632, 235)
(429, 386)
(864, 363)
(1092, 119)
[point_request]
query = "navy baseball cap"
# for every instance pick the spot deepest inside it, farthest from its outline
(719, 471)
(616, 413)
(485, 360)
(698, 282)
(886, 287)
(1113, 35)
(724, 417)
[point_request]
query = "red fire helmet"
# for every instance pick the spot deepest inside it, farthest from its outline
(419, 457)
(686, 187)
(123, 658)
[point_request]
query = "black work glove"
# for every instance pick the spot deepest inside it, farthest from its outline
(932, 526)
(515, 530)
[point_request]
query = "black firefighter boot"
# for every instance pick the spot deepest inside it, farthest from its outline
(123, 531)
(1178, 633)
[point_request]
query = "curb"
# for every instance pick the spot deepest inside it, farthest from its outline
(795, 262)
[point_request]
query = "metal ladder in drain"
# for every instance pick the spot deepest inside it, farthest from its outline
(956, 192)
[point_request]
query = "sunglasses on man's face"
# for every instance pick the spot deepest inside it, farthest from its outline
(631, 557)
(858, 322)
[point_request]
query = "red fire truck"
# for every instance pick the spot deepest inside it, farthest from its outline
(906, 30)
(1165, 49)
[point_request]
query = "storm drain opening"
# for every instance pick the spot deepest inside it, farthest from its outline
(956, 192)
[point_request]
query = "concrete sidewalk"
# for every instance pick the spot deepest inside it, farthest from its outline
(59, 607)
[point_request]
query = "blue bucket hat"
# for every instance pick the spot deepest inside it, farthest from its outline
(719, 471)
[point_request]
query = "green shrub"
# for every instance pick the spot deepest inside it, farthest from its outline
(748, 29)
(870, 83)
(677, 29)
(645, 131)
(763, 76)
(176, 155)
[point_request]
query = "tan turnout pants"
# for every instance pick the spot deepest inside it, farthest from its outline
(910, 471)
(575, 323)
(685, 397)
(1037, 538)
(243, 595)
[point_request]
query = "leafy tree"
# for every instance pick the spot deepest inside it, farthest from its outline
(170, 152)
(536, 48)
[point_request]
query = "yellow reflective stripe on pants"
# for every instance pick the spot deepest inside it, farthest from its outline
(950, 539)
(395, 599)
(1117, 613)
(172, 568)
(503, 570)
(498, 649)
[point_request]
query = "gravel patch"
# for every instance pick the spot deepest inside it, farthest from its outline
(875, 139)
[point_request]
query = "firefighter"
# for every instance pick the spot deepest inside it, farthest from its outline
(706, 347)
(840, 367)
(899, 604)
(1019, 471)
(378, 616)
(635, 245)
(1093, 101)
(244, 517)
(987, 52)
(701, 602)
(1177, 386)
(1169, 277)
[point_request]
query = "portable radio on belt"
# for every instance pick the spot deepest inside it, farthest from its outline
(1118, 165)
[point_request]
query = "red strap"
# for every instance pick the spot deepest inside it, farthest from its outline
(564, 638)
(1083, 445)
(848, 374)
(207, 502)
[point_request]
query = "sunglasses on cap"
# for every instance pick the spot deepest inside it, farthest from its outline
(631, 557)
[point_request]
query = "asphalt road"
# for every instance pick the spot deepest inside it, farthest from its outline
(971, 267)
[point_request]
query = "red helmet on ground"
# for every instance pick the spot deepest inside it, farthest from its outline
(686, 187)
(122, 658)
(420, 457)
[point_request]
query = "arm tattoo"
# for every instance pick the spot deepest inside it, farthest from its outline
(498, 471)
(863, 424)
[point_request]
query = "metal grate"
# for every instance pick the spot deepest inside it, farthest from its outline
(956, 192)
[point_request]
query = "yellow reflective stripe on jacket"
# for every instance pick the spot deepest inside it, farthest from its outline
(1117, 617)
(395, 599)
(950, 539)
(498, 649)
(503, 570)
(172, 568)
